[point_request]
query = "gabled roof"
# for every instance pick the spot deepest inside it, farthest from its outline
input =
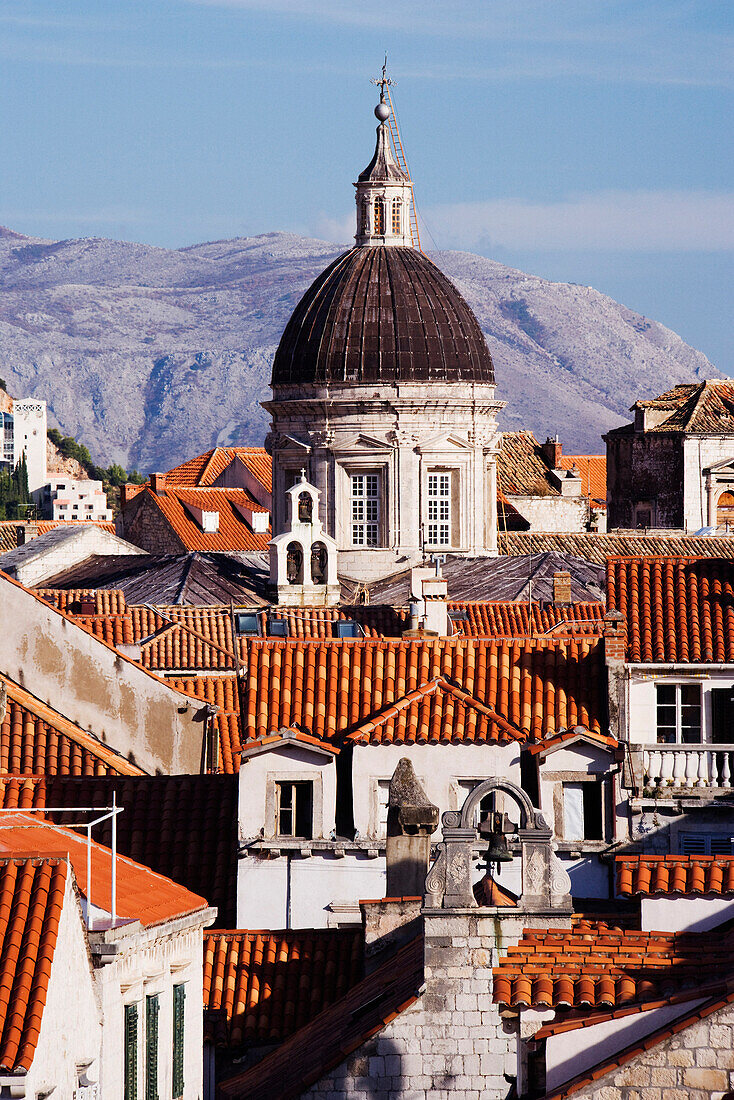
(703, 408)
(9, 529)
(288, 737)
(205, 469)
(59, 536)
(593, 965)
(328, 689)
(260, 987)
(566, 738)
(32, 892)
(675, 609)
(647, 876)
(597, 548)
(181, 826)
(141, 893)
(436, 713)
(522, 469)
(234, 532)
(337, 1031)
(37, 740)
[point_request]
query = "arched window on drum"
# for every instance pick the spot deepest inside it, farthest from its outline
(396, 220)
(725, 511)
(379, 217)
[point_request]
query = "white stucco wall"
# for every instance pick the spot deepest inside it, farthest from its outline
(315, 882)
(559, 514)
(71, 1032)
(440, 769)
(699, 453)
(151, 962)
(572, 1052)
(57, 557)
(642, 697)
(692, 914)
(286, 761)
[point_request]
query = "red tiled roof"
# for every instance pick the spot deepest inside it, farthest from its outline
(205, 469)
(9, 529)
(141, 893)
(107, 601)
(328, 689)
(514, 618)
(283, 737)
(522, 469)
(593, 964)
(676, 609)
(558, 739)
(37, 740)
(337, 1031)
(182, 826)
(266, 985)
(31, 900)
(221, 691)
(173, 638)
(377, 620)
(648, 875)
(702, 408)
(234, 532)
(436, 713)
(593, 470)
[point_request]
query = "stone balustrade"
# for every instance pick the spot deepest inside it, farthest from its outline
(688, 767)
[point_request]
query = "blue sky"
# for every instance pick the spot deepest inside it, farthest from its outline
(583, 140)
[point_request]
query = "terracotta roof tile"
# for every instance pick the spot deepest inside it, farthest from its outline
(377, 620)
(221, 691)
(563, 736)
(593, 470)
(328, 689)
(700, 408)
(514, 618)
(337, 1031)
(205, 469)
(597, 548)
(182, 826)
(522, 469)
(234, 532)
(593, 965)
(105, 601)
(141, 893)
(645, 876)
(675, 609)
(37, 740)
(264, 986)
(9, 529)
(31, 900)
(436, 713)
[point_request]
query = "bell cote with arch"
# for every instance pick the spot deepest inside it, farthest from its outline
(303, 556)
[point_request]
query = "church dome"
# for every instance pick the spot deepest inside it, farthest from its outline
(382, 314)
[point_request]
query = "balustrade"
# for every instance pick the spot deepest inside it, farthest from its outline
(688, 767)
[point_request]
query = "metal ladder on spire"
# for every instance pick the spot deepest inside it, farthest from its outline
(399, 152)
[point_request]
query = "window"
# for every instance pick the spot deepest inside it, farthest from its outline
(396, 217)
(131, 1052)
(383, 799)
(247, 622)
(295, 809)
(365, 509)
(179, 1001)
(152, 1007)
(678, 714)
(722, 716)
(379, 218)
(582, 811)
(705, 844)
(439, 509)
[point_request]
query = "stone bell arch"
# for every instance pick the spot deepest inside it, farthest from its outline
(303, 556)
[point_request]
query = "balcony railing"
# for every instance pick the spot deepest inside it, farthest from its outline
(688, 767)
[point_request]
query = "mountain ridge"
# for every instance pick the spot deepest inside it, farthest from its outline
(150, 355)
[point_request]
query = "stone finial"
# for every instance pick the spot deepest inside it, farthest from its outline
(411, 818)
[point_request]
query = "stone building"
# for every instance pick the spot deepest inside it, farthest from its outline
(384, 390)
(674, 465)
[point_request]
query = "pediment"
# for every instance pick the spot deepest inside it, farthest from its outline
(363, 443)
(726, 467)
(443, 442)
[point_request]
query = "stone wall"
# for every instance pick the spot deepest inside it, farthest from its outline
(695, 1064)
(645, 467)
(143, 524)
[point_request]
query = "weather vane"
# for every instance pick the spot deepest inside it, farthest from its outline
(384, 81)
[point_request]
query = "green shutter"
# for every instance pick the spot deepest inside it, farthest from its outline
(131, 1052)
(151, 1048)
(179, 999)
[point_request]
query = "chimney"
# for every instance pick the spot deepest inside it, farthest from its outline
(127, 492)
(614, 638)
(562, 587)
(25, 532)
(552, 450)
(158, 484)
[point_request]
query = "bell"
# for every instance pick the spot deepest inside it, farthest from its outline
(498, 850)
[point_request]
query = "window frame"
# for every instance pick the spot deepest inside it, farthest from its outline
(678, 727)
(298, 788)
(396, 220)
(441, 503)
(178, 1053)
(376, 497)
(152, 1042)
(131, 1042)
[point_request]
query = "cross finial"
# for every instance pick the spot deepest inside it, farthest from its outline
(303, 473)
(384, 81)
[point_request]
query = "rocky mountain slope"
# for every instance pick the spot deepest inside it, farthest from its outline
(150, 355)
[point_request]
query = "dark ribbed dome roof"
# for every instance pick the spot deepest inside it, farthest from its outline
(382, 314)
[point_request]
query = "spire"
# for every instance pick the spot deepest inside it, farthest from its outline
(384, 189)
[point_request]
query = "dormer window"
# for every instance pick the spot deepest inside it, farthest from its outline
(396, 217)
(379, 217)
(295, 809)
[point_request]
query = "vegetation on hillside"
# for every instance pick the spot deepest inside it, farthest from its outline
(112, 477)
(14, 495)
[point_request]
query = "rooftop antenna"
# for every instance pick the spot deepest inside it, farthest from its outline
(384, 83)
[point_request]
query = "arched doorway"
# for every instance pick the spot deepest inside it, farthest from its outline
(725, 511)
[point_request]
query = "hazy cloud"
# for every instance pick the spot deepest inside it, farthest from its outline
(624, 221)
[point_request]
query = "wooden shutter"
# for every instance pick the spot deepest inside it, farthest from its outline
(151, 1048)
(131, 1052)
(179, 1000)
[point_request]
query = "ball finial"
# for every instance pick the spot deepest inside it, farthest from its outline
(382, 111)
